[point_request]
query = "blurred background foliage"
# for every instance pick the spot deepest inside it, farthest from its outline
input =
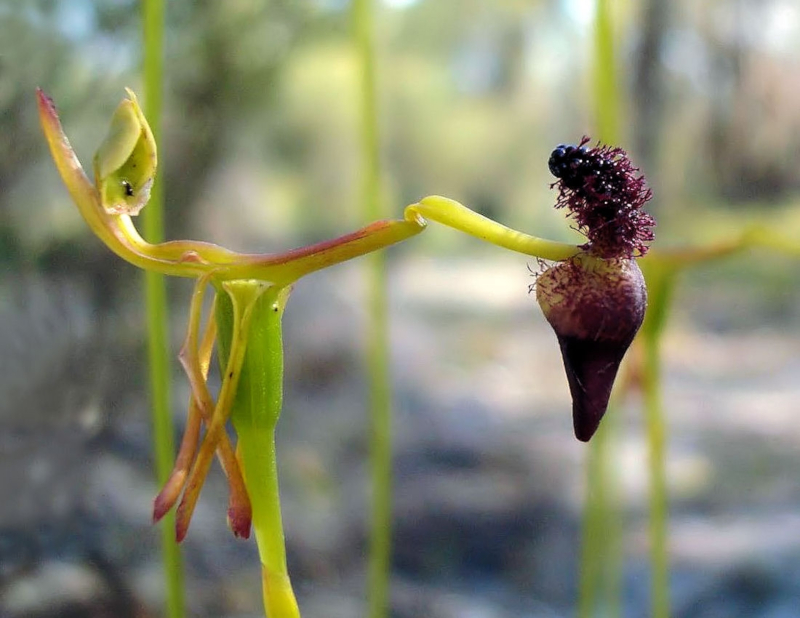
(260, 152)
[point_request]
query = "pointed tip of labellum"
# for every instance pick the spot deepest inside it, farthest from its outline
(595, 307)
(591, 368)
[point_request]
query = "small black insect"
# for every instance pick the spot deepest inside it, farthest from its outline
(128, 188)
(569, 163)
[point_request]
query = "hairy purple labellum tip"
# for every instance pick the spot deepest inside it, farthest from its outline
(604, 193)
(595, 307)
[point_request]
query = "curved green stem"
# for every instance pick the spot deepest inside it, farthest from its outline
(454, 214)
(762, 236)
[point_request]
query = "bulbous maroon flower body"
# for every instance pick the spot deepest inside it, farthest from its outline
(596, 300)
(596, 307)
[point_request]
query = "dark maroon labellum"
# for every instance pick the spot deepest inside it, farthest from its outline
(596, 307)
(596, 301)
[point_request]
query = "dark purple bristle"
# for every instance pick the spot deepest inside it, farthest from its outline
(605, 194)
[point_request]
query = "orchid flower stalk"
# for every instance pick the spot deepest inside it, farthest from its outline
(251, 292)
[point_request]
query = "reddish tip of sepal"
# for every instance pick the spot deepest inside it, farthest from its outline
(239, 520)
(169, 494)
(160, 508)
(46, 104)
(180, 532)
(181, 522)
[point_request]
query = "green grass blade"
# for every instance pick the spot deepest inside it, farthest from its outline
(607, 101)
(660, 283)
(377, 339)
(156, 307)
(601, 553)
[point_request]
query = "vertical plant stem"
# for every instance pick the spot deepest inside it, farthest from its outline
(593, 546)
(607, 101)
(660, 285)
(601, 553)
(156, 307)
(256, 410)
(379, 568)
(601, 556)
(656, 442)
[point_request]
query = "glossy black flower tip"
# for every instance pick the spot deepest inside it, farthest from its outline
(567, 162)
(595, 307)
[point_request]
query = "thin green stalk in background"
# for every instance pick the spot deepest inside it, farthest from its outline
(607, 118)
(660, 285)
(601, 556)
(156, 306)
(380, 404)
(601, 553)
(605, 82)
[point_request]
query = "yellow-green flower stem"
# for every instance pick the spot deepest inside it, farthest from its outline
(255, 413)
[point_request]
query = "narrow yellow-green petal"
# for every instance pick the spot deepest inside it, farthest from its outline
(285, 268)
(454, 214)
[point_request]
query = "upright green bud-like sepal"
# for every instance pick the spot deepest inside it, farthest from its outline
(125, 163)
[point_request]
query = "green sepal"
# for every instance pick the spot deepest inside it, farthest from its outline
(125, 164)
(259, 394)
